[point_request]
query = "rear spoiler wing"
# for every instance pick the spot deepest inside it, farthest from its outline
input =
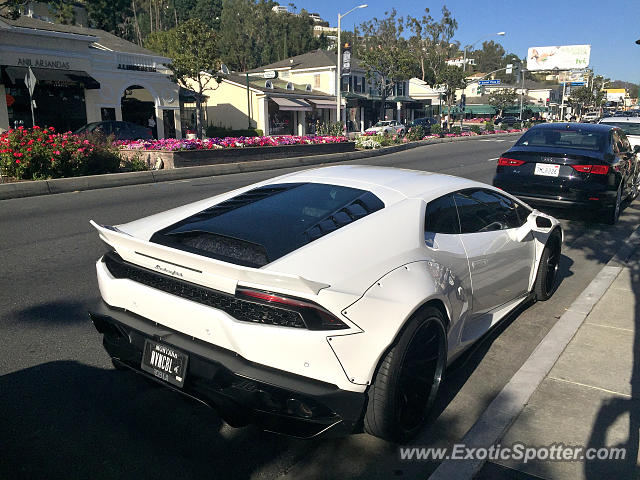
(209, 272)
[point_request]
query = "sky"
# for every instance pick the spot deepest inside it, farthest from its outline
(611, 28)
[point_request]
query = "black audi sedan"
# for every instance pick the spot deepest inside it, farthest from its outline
(591, 166)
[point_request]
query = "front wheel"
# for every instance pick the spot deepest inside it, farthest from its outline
(611, 215)
(408, 378)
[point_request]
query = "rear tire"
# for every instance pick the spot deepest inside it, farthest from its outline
(408, 378)
(545, 283)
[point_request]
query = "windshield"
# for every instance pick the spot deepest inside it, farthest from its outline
(629, 128)
(562, 138)
(382, 124)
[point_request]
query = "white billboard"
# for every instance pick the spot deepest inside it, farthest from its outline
(566, 57)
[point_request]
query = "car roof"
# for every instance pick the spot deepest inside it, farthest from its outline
(390, 184)
(620, 119)
(588, 127)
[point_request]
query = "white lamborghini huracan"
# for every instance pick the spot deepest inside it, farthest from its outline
(327, 300)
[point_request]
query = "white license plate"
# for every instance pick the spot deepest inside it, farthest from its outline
(547, 170)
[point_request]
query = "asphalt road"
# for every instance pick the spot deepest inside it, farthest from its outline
(66, 413)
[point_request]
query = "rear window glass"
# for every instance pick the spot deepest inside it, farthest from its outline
(629, 128)
(563, 138)
(264, 224)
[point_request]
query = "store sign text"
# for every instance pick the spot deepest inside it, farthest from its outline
(43, 63)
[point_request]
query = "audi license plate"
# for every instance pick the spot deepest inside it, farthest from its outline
(164, 362)
(547, 170)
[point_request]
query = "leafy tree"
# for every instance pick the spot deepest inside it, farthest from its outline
(385, 55)
(192, 49)
(430, 43)
(501, 99)
(452, 78)
(111, 16)
(11, 8)
(491, 57)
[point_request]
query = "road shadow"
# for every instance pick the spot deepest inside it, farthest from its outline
(65, 420)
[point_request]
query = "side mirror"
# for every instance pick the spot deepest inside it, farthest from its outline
(543, 222)
(535, 222)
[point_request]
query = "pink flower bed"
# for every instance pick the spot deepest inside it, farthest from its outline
(173, 144)
(472, 134)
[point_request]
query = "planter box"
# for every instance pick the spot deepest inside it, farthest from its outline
(194, 158)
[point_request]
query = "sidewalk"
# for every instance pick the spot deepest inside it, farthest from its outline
(591, 396)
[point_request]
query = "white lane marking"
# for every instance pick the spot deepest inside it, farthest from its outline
(493, 159)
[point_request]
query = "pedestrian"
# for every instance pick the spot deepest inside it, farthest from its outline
(152, 125)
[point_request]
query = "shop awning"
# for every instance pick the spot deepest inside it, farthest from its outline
(400, 98)
(480, 109)
(72, 77)
(294, 104)
(325, 103)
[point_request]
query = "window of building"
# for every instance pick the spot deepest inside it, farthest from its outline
(316, 80)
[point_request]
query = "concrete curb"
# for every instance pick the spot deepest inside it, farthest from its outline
(494, 422)
(74, 184)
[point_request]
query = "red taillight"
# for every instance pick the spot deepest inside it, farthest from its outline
(595, 169)
(510, 162)
(313, 315)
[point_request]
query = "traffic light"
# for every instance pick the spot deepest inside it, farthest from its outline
(463, 101)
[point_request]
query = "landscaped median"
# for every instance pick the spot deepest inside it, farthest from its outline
(173, 153)
(239, 164)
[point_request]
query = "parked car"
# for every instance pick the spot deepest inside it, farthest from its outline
(120, 130)
(389, 127)
(424, 122)
(591, 117)
(326, 300)
(509, 120)
(629, 125)
(591, 166)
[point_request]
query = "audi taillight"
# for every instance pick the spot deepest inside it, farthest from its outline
(313, 316)
(595, 169)
(510, 162)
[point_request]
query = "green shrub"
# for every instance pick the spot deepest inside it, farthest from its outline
(455, 129)
(36, 153)
(527, 124)
(335, 129)
(517, 125)
(133, 163)
(436, 129)
(489, 126)
(476, 129)
(416, 133)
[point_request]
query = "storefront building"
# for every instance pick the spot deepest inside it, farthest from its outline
(82, 75)
(274, 106)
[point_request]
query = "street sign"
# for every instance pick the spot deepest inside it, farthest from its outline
(509, 69)
(30, 81)
(489, 82)
(270, 74)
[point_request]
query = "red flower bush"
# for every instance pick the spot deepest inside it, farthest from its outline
(38, 153)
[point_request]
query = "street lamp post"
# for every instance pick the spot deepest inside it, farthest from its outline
(464, 60)
(339, 64)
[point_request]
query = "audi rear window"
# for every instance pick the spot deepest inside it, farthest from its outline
(563, 138)
(266, 223)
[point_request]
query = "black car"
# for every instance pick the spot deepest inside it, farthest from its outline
(120, 130)
(507, 120)
(424, 122)
(572, 164)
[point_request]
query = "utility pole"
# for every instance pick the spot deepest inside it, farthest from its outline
(522, 70)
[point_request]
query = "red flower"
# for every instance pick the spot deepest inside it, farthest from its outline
(36, 127)
(17, 161)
